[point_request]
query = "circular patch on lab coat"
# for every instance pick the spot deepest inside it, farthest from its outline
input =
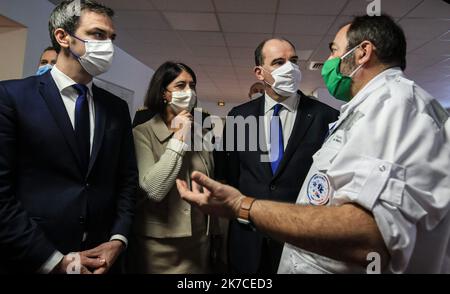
(319, 190)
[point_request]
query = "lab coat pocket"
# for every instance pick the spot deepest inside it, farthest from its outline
(395, 186)
(384, 180)
(324, 158)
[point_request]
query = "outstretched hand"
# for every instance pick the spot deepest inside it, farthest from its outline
(211, 197)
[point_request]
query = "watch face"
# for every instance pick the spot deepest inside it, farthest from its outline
(319, 190)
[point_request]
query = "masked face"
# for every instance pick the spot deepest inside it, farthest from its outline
(286, 79)
(98, 57)
(338, 84)
(183, 100)
(44, 69)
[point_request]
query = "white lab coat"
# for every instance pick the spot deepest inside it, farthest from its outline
(390, 153)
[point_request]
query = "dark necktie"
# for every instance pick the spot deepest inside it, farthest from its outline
(276, 139)
(82, 125)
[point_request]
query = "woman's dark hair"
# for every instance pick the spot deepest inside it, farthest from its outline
(162, 78)
(387, 36)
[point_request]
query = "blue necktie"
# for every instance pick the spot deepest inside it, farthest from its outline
(82, 125)
(276, 139)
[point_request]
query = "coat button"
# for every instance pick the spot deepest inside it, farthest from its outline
(82, 220)
(273, 187)
(382, 168)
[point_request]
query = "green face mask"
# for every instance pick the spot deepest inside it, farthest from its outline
(338, 85)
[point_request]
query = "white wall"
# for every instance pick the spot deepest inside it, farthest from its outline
(12, 47)
(213, 109)
(126, 72)
(130, 73)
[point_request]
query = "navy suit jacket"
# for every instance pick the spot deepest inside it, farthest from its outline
(46, 201)
(245, 171)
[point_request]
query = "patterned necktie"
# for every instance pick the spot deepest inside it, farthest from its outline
(82, 125)
(276, 139)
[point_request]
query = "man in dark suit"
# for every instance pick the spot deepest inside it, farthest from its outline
(293, 126)
(67, 165)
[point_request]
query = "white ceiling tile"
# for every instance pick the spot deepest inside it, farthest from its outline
(217, 69)
(394, 8)
(125, 5)
(416, 28)
(245, 40)
(322, 51)
(222, 76)
(303, 24)
(206, 51)
(434, 48)
(445, 63)
(213, 61)
(413, 44)
(445, 37)
(432, 9)
(189, 21)
(202, 38)
(420, 62)
(248, 62)
(338, 24)
(168, 38)
(304, 54)
(439, 90)
(248, 6)
(245, 53)
(184, 5)
(126, 19)
(247, 23)
(302, 42)
(311, 7)
(158, 49)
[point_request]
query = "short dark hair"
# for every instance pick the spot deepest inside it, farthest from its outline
(387, 37)
(49, 48)
(259, 56)
(66, 17)
(162, 78)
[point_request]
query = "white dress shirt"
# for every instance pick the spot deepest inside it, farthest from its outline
(69, 97)
(288, 114)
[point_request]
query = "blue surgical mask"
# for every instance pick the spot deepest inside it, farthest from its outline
(44, 69)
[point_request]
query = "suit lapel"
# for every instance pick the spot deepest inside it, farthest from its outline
(302, 124)
(49, 91)
(100, 123)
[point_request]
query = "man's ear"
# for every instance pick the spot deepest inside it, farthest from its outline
(62, 38)
(366, 52)
(258, 73)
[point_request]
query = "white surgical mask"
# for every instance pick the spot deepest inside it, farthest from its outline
(98, 57)
(287, 78)
(183, 100)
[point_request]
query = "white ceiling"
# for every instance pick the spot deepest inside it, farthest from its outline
(217, 38)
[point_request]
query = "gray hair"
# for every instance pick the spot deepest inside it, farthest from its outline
(66, 16)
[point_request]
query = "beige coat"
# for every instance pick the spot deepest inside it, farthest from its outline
(161, 213)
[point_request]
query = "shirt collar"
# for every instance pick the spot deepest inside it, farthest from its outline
(160, 128)
(291, 103)
(373, 84)
(63, 82)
